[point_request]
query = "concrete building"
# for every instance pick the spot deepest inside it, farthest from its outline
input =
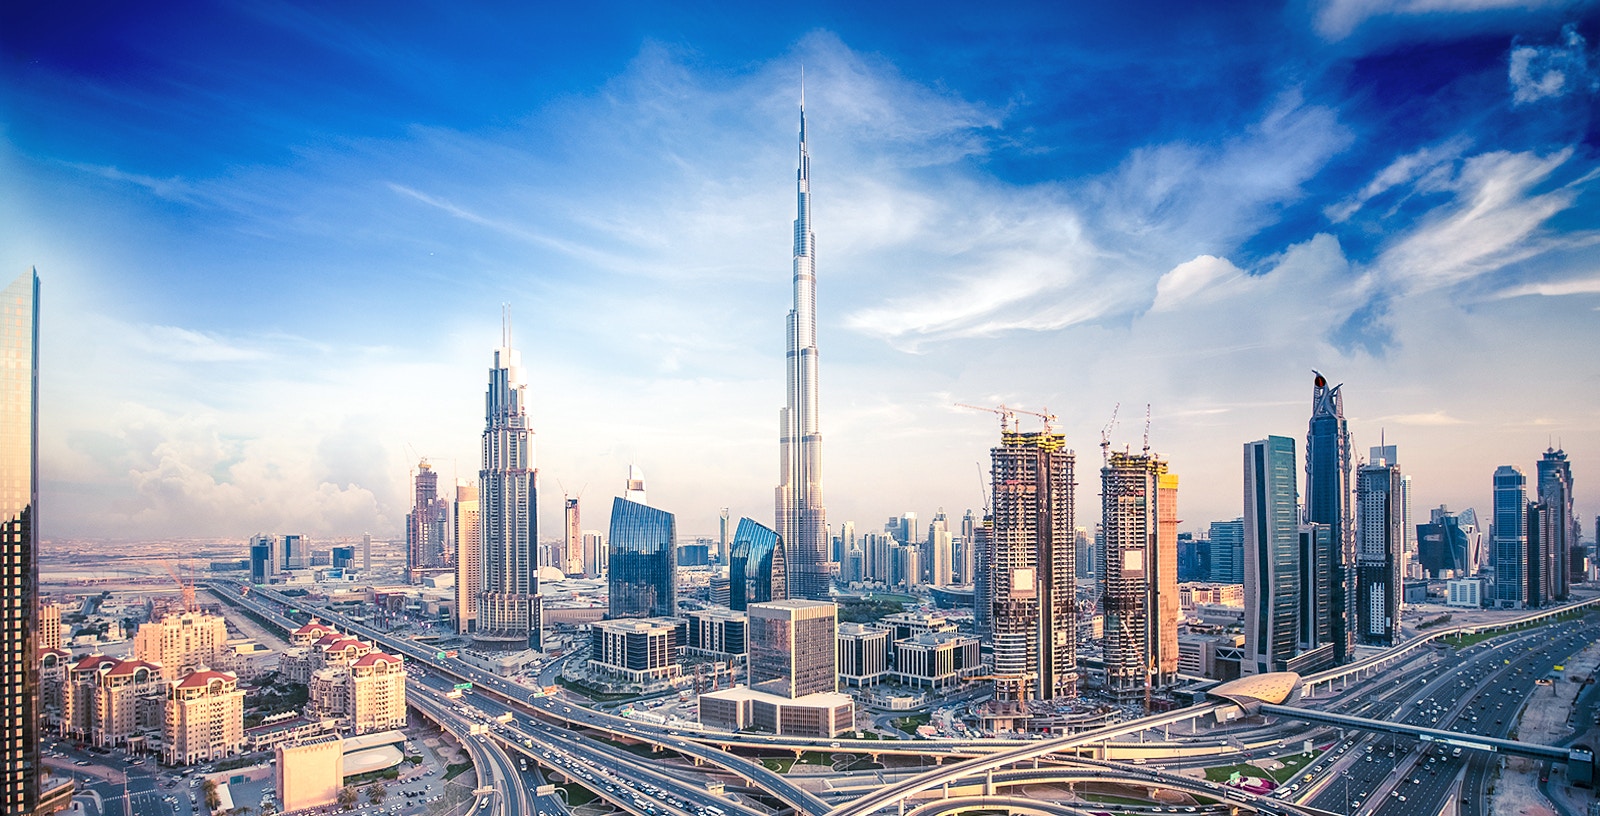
(571, 537)
(863, 654)
(468, 531)
(508, 505)
(1464, 592)
(125, 702)
(366, 694)
(428, 543)
(718, 633)
(1194, 594)
(204, 719)
(182, 644)
(310, 773)
(595, 554)
(1139, 515)
(49, 626)
(1031, 589)
(824, 714)
(1379, 555)
(638, 650)
(792, 647)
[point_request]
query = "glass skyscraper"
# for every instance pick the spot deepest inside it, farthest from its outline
(643, 571)
(508, 502)
(1510, 538)
(1555, 491)
(1328, 501)
(757, 570)
(1272, 556)
(1227, 551)
(19, 526)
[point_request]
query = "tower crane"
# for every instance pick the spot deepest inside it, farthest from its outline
(1008, 416)
(1147, 429)
(189, 604)
(1105, 435)
(1048, 417)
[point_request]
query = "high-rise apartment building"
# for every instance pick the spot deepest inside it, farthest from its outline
(1272, 556)
(643, 571)
(1540, 562)
(19, 525)
(1509, 538)
(1329, 459)
(1031, 564)
(204, 719)
(181, 644)
(758, 568)
(1555, 490)
(468, 531)
(1379, 554)
(792, 647)
(983, 578)
(942, 554)
(595, 555)
(724, 543)
(428, 524)
(1139, 514)
(508, 502)
(801, 518)
(572, 530)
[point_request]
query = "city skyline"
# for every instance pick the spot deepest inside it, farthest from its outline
(979, 218)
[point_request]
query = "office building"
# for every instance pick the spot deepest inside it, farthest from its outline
(1555, 491)
(204, 719)
(863, 657)
(571, 562)
(344, 557)
(427, 525)
(1379, 558)
(310, 772)
(1540, 559)
(263, 558)
(1227, 551)
(718, 633)
(1272, 555)
(183, 643)
(1316, 557)
(508, 504)
(1140, 586)
(938, 660)
(801, 518)
(637, 650)
(20, 788)
(1464, 592)
(757, 567)
(1031, 564)
(1329, 460)
(696, 554)
(1509, 538)
(643, 571)
(595, 555)
(792, 647)
(1444, 546)
(468, 535)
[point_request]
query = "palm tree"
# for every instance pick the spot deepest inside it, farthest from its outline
(376, 793)
(347, 797)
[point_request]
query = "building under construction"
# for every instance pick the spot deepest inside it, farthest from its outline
(1030, 576)
(1139, 502)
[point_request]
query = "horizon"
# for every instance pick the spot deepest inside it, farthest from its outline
(273, 243)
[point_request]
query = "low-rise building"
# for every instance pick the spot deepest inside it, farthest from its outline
(182, 643)
(863, 654)
(365, 696)
(638, 650)
(717, 633)
(936, 659)
(310, 773)
(1465, 592)
(823, 714)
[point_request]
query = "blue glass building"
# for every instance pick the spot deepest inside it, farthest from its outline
(757, 566)
(643, 571)
(1510, 541)
(1227, 551)
(1272, 555)
(1328, 502)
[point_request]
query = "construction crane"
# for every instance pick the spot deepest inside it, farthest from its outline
(1147, 438)
(983, 487)
(1105, 435)
(1008, 416)
(189, 604)
(1048, 417)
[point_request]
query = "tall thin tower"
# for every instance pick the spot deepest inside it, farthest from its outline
(1328, 501)
(19, 530)
(508, 484)
(801, 520)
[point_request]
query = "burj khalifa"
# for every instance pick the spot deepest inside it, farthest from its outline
(801, 519)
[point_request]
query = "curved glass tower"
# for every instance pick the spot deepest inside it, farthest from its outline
(757, 570)
(643, 575)
(801, 519)
(1328, 501)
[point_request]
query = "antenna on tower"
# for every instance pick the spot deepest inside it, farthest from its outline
(505, 325)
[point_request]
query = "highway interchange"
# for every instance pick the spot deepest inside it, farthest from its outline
(1437, 688)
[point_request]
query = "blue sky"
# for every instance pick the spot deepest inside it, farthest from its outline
(274, 239)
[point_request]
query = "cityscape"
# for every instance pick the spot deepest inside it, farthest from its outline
(1288, 530)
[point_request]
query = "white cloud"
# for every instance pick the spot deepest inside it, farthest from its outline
(1198, 278)
(1404, 170)
(1337, 19)
(1577, 286)
(1547, 72)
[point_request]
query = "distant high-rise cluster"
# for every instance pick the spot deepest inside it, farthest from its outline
(1535, 544)
(428, 541)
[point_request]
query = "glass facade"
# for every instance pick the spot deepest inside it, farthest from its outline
(19, 574)
(1328, 501)
(1510, 541)
(643, 573)
(1272, 554)
(792, 647)
(757, 568)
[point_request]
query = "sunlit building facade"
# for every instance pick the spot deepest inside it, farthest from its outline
(643, 573)
(758, 570)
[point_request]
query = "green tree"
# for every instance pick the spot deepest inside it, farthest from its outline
(213, 800)
(376, 793)
(347, 797)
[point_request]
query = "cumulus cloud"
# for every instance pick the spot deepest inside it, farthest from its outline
(1551, 71)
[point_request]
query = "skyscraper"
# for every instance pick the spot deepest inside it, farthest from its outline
(1555, 490)
(1379, 554)
(508, 502)
(758, 568)
(643, 571)
(1509, 538)
(792, 647)
(1140, 518)
(1272, 556)
(572, 563)
(801, 518)
(1227, 551)
(427, 525)
(1328, 496)
(469, 557)
(19, 526)
(1032, 591)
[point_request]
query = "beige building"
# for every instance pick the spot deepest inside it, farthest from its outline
(823, 714)
(469, 557)
(333, 649)
(204, 718)
(49, 626)
(310, 773)
(365, 696)
(182, 643)
(126, 703)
